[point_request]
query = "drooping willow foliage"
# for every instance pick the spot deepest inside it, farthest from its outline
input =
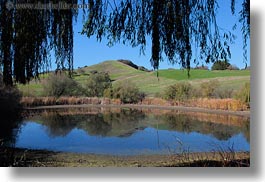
(27, 36)
(245, 22)
(175, 26)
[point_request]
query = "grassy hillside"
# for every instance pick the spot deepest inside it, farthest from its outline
(201, 74)
(148, 81)
(116, 70)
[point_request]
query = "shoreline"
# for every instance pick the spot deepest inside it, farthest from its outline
(45, 158)
(137, 106)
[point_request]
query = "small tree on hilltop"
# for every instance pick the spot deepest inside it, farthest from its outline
(220, 65)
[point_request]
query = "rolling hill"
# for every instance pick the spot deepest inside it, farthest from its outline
(148, 82)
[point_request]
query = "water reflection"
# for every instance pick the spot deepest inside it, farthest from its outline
(125, 122)
(121, 124)
(104, 130)
(187, 123)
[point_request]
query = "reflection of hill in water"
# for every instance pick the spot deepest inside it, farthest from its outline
(186, 123)
(125, 122)
(118, 124)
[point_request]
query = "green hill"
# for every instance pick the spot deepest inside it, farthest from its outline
(148, 82)
(116, 70)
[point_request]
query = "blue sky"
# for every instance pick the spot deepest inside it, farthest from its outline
(87, 51)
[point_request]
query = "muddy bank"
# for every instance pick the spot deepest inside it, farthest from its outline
(42, 158)
(135, 106)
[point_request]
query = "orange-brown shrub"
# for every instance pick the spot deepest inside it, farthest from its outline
(155, 101)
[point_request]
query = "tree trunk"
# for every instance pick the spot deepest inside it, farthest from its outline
(6, 38)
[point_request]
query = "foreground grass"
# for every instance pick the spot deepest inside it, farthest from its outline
(41, 158)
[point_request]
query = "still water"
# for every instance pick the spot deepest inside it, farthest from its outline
(132, 132)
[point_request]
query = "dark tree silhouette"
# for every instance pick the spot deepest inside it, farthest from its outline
(27, 37)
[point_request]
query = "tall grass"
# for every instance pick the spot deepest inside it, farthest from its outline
(48, 101)
(219, 157)
(244, 94)
(207, 95)
(216, 104)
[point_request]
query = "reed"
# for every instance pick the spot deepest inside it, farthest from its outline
(220, 157)
(216, 104)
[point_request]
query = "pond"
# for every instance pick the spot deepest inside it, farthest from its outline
(126, 131)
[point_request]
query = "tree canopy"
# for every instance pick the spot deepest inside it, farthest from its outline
(173, 25)
(28, 36)
(221, 65)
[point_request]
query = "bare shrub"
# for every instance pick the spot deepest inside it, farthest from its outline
(97, 83)
(223, 93)
(58, 85)
(127, 92)
(208, 88)
(180, 91)
(244, 94)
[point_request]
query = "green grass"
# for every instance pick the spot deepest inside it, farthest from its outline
(148, 81)
(32, 89)
(117, 70)
(200, 74)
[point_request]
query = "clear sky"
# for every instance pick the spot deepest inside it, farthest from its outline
(87, 51)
